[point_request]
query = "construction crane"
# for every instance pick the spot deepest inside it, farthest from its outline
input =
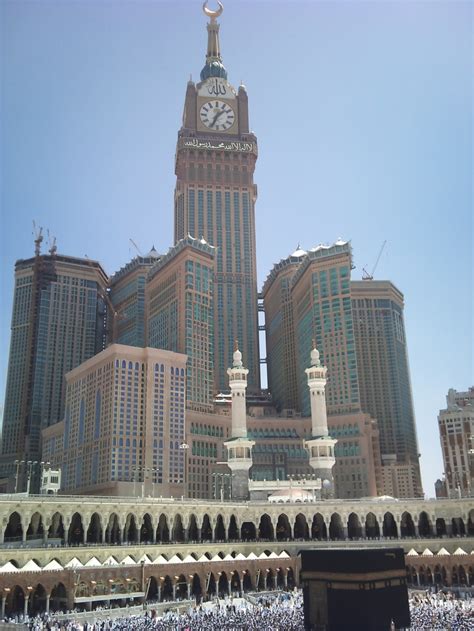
(136, 247)
(53, 248)
(38, 234)
(365, 273)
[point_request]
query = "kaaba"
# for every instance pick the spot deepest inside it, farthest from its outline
(354, 589)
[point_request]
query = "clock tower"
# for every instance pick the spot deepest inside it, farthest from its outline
(215, 199)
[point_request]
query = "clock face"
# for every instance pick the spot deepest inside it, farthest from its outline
(217, 115)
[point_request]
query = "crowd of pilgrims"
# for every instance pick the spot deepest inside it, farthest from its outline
(282, 612)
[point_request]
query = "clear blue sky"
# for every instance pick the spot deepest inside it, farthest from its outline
(363, 113)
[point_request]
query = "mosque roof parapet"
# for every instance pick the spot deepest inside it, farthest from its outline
(198, 244)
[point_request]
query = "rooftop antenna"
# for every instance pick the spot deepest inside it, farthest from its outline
(38, 234)
(365, 273)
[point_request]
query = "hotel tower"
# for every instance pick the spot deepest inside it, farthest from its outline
(215, 200)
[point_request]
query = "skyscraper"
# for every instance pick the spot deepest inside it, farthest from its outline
(180, 314)
(215, 199)
(322, 310)
(124, 424)
(384, 378)
(279, 331)
(127, 296)
(456, 433)
(58, 321)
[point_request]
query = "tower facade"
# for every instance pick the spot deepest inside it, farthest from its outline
(215, 198)
(384, 380)
(58, 321)
(322, 309)
(127, 297)
(180, 313)
(320, 446)
(239, 447)
(279, 331)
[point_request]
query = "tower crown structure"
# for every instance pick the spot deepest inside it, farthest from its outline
(214, 66)
(215, 199)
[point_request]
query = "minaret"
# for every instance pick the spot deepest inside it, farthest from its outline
(239, 447)
(320, 446)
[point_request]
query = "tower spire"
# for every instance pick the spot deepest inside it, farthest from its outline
(214, 66)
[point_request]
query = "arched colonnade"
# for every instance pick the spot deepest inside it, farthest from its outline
(272, 523)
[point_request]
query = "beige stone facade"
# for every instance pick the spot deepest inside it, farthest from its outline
(175, 549)
(456, 432)
(124, 424)
(357, 472)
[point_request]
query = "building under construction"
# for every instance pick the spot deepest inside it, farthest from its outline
(59, 320)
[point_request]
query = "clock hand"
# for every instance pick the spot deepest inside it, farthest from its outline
(216, 117)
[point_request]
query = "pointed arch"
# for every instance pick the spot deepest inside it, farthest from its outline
(162, 530)
(219, 531)
(146, 529)
(181, 587)
(152, 590)
(56, 529)
(211, 584)
(166, 588)
(300, 530)
(336, 529)
(206, 529)
(37, 602)
(58, 599)
(131, 529)
(76, 530)
(35, 527)
(389, 525)
(234, 582)
(354, 527)
(178, 530)
(113, 532)
(94, 531)
(193, 531)
(222, 584)
(283, 528)
(372, 528)
(265, 528)
(318, 527)
(407, 527)
(15, 603)
(233, 532)
(424, 525)
(14, 529)
(458, 526)
(248, 531)
(196, 587)
(246, 581)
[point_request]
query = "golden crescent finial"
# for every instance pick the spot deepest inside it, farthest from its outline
(210, 13)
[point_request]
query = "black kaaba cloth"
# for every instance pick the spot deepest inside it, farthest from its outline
(361, 589)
